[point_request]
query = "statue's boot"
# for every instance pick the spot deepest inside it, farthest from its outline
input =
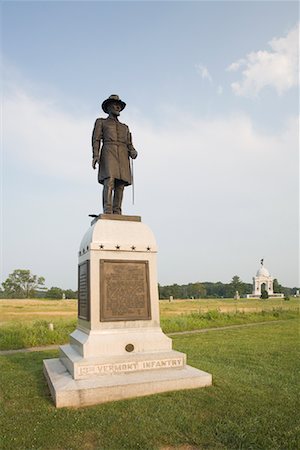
(107, 195)
(118, 197)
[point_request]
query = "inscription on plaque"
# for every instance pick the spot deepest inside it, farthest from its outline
(84, 291)
(124, 292)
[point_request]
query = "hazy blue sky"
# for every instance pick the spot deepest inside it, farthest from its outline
(212, 94)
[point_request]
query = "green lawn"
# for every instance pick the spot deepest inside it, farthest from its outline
(253, 403)
(214, 318)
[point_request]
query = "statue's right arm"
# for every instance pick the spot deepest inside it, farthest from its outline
(96, 140)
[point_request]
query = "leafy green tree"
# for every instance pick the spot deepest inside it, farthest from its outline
(196, 290)
(22, 284)
(58, 293)
(215, 290)
(236, 284)
(54, 292)
(277, 288)
(70, 294)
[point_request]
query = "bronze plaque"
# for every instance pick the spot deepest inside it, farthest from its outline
(124, 292)
(84, 291)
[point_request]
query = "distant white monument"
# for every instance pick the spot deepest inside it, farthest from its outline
(263, 281)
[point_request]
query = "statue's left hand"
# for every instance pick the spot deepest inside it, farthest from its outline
(133, 154)
(94, 162)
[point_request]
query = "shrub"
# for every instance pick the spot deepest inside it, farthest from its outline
(264, 295)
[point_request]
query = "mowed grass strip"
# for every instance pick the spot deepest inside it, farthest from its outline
(24, 335)
(214, 318)
(253, 403)
(33, 334)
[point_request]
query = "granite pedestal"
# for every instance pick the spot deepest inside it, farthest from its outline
(118, 349)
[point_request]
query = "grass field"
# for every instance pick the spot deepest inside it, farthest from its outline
(178, 307)
(25, 323)
(28, 310)
(253, 403)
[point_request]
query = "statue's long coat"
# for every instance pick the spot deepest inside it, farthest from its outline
(116, 149)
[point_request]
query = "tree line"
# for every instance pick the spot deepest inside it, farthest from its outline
(21, 283)
(217, 290)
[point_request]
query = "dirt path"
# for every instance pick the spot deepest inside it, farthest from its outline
(29, 350)
(203, 330)
(228, 327)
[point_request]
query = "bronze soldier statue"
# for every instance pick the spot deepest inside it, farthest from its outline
(113, 159)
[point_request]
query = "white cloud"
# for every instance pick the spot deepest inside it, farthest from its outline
(277, 68)
(203, 71)
(220, 90)
(37, 133)
(213, 187)
(40, 136)
(236, 65)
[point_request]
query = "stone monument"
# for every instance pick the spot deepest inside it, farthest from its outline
(263, 281)
(118, 349)
(237, 295)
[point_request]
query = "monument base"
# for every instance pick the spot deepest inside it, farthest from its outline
(258, 296)
(118, 350)
(68, 392)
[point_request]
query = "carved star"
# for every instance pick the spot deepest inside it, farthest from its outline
(133, 247)
(117, 247)
(148, 248)
(101, 246)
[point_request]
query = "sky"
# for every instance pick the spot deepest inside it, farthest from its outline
(212, 91)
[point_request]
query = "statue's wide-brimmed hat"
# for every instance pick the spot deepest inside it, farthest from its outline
(110, 99)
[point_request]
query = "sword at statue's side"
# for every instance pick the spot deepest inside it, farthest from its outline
(132, 181)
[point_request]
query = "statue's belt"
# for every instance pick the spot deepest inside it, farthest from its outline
(114, 142)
